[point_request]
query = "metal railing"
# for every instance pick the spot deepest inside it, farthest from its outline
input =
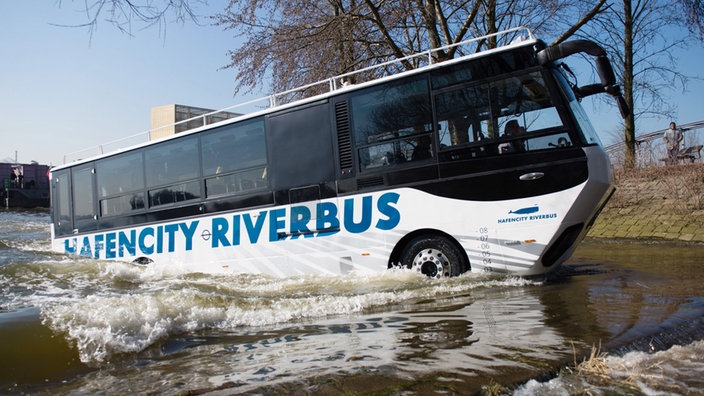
(509, 37)
(650, 147)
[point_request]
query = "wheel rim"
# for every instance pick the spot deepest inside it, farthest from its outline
(432, 263)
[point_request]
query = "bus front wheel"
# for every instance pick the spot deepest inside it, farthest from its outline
(434, 256)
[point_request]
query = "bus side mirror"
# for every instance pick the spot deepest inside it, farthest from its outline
(623, 106)
(588, 90)
(606, 72)
(603, 66)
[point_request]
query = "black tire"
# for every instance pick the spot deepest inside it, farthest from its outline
(434, 256)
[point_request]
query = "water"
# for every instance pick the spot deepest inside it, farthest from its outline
(76, 326)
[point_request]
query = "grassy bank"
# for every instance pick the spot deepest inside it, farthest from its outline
(658, 203)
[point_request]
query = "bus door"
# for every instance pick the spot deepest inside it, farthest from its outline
(85, 216)
(61, 212)
(302, 162)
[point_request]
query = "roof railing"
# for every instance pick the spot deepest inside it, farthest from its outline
(512, 36)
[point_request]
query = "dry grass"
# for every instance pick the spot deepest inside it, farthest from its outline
(679, 186)
(596, 369)
(593, 365)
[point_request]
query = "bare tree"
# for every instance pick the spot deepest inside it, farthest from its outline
(641, 36)
(586, 16)
(122, 14)
(289, 43)
(693, 11)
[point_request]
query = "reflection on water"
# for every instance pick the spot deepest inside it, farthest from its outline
(81, 326)
(467, 338)
(647, 293)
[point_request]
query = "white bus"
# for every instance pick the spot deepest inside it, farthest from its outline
(485, 162)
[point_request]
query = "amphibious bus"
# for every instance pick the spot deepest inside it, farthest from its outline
(483, 162)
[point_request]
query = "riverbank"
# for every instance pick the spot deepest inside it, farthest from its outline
(658, 203)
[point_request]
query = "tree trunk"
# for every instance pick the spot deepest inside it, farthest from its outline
(630, 127)
(491, 22)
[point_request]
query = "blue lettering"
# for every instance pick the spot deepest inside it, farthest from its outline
(326, 219)
(276, 224)
(171, 230)
(188, 233)
(98, 245)
(146, 249)
(126, 243)
(300, 216)
(110, 245)
(220, 226)
(366, 218)
(85, 249)
(236, 230)
(70, 245)
(356, 217)
(385, 208)
(159, 239)
(254, 230)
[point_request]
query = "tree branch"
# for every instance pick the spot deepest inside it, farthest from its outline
(597, 9)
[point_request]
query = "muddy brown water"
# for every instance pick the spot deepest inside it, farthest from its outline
(75, 326)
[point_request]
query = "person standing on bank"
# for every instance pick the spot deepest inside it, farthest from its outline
(672, 137)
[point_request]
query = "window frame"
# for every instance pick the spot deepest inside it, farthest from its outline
(400, 157)
(131, 195)
(488, 147)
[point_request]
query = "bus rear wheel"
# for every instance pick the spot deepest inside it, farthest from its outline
(434, 256)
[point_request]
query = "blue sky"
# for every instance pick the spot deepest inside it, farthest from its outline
(63, 90)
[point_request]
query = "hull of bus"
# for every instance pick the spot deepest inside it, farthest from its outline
(358, 233)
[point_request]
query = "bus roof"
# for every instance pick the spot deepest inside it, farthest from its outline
(512, 38)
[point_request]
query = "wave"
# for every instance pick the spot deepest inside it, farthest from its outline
(111, 308)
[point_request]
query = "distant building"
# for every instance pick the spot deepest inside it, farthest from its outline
(24, 185)
(171, 119)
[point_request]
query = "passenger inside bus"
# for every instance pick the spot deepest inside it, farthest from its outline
(422, 149)
(513, 130)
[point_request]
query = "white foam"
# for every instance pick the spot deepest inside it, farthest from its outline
(677, 370)
(125, 308)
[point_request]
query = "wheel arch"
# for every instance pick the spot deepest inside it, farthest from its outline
(142, 260)
(397, 251)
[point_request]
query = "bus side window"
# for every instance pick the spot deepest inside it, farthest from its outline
(172, 162)
(524, 112)
(120, 183)
(464, 122)
(392, 124)
(234, 158)
(234, 147)
(462, 116)
(472, 120)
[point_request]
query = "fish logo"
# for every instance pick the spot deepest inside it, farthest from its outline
(522, 211)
